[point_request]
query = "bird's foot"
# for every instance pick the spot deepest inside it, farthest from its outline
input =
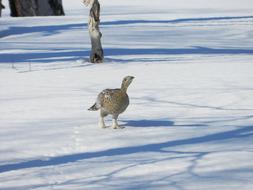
(102, 125)
(117, 127)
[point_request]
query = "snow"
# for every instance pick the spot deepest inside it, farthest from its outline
(189, 124)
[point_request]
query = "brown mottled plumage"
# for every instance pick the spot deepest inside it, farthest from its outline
(112, 102)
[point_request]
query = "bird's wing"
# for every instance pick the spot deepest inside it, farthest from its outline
(107, 95)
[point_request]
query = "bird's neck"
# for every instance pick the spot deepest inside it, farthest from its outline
(124, 88)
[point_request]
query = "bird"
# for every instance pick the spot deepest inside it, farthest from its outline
(112, 102)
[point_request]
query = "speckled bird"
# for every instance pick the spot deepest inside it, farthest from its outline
(112, 102)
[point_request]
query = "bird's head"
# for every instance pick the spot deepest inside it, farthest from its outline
(126, 82)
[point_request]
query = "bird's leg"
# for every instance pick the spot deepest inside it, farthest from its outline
(115, 124)
(101, 122)
(101, 119)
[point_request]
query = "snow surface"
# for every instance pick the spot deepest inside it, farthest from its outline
(189, 125)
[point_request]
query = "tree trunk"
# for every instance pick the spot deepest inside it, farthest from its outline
(97, 54)
(21, 8)
(1, 7)
(56, 6)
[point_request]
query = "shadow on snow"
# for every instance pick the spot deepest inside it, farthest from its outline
(69, 55)
(54, 29)
(156, 123)
(238, 133)
(175, 21)
(75, 54)
(148, 123)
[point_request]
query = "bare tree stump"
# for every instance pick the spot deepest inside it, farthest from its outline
(97, 53)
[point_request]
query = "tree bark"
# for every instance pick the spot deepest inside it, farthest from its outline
(97, 53)
(21, 8)
(1, 7)
(56, 6)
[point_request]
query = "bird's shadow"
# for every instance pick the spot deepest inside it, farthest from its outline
(157, 123)
(147, 123)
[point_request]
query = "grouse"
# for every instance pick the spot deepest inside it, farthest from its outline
(112, 102)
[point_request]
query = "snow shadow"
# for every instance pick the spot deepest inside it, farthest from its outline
(71, 54)
(67, 55)
(148, 123)
(43, 57)
(175, 21)
(46, 30)
(156, 123)
(238, 133)
(176, 51)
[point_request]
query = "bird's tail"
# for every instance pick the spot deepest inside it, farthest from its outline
(95, 107)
